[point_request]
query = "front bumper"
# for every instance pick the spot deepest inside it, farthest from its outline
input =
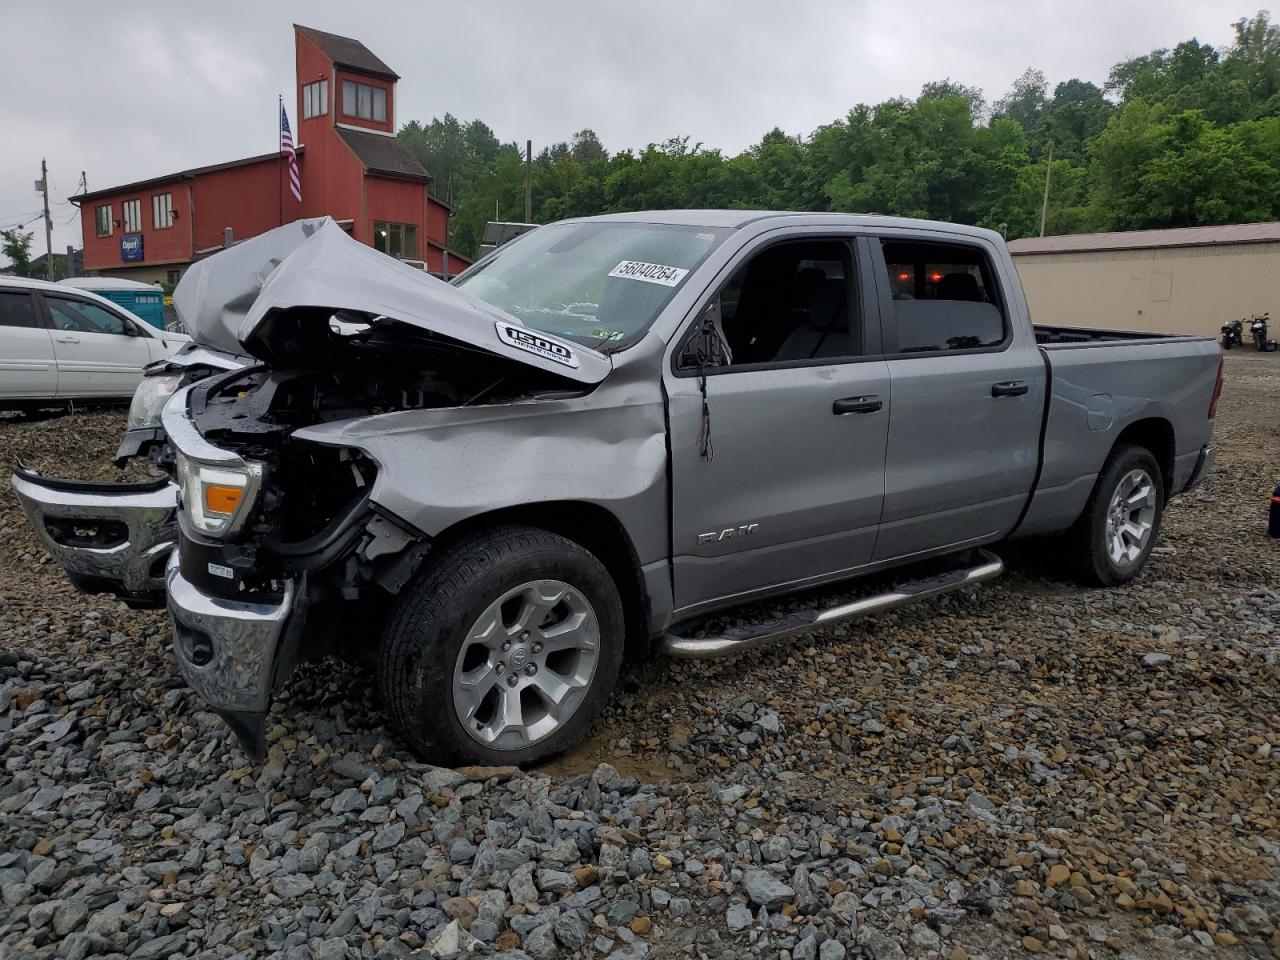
(108, 537)
(231, 652)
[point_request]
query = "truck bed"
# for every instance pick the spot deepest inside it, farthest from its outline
(1160, 382)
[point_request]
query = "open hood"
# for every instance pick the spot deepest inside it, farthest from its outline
(314, 266)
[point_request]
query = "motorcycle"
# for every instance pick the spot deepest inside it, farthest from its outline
(1232, 334)
(1258, 329)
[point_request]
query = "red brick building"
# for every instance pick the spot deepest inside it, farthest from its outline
(353, 169)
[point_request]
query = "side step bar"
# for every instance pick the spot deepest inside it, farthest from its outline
(759, 635)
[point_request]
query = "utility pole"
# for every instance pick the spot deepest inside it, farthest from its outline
(48, 223)
(528, 181)
(1044, 207)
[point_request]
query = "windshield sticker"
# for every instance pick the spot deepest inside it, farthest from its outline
(649, 272)
(533, 342)
(603, 334)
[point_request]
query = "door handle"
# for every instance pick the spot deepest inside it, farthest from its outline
(856, 405)
(67, 339)
(1009, 388)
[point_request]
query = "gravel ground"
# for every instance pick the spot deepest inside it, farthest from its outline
(1027, 767)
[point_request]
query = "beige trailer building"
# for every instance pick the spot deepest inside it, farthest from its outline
(1189, 280)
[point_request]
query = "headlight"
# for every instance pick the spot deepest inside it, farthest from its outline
(149, 399)
(217, 497)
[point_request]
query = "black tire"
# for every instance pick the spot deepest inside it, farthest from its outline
(1087, 540)
(425, 633)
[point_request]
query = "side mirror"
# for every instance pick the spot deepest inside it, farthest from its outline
(706, 345)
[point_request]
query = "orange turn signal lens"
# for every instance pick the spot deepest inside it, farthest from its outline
(220, 498)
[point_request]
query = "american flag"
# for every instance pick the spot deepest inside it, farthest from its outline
(286, 148)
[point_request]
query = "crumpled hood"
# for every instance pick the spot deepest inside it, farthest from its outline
(314, 264)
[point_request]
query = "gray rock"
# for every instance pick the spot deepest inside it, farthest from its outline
(41, 915)
(737, 917)
(331, 948)
(388, 835)
(521, 885)
(292, 885)
(154, 949)
(353, 768)
(831, 950)
(77, 946)
(622, 912)
(541, 943)
(158, 868)
(571, 929)
(557, 881)
(877, 946)
(766, 890)
(435, 779)
(68, 916)
(348, 801)
(924, 939)
(775, 849)
(606, 776)
(1156, 659)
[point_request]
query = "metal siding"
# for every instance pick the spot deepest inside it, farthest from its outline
(247, 199)
(1207, 287)
(397, 201)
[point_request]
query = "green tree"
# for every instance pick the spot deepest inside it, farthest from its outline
(1025, 103)
(16, 245)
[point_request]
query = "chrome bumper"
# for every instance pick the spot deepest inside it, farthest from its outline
(108, 537)
(227, 649)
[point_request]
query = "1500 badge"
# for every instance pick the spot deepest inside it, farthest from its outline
(531, 341)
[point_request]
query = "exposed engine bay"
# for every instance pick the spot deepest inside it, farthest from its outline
(312, 499)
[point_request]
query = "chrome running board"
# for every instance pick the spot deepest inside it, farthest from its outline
(758, 635)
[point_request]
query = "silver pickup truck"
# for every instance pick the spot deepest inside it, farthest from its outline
(596, 440)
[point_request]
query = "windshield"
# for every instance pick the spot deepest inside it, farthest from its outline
(600, 283)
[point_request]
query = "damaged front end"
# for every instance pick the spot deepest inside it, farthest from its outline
(283, 552)
(280, 536)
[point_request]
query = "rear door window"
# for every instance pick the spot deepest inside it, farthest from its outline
(943, 298)
(17, 309)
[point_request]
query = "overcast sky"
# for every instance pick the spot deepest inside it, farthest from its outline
(126, 91)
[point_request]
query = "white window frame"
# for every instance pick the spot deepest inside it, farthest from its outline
(396, 235)
(103, 226)
(315, 99)
(162, 211)
(364, 101)
(131, 216)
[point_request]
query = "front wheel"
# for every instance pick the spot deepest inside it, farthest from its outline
(1113, 538)
(504, 650)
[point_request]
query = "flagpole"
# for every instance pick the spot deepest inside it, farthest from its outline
(280, 158)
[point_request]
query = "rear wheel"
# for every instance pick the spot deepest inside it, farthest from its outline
(504, 650)
(1114, 536)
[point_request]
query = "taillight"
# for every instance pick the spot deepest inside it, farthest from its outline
(1217, 392)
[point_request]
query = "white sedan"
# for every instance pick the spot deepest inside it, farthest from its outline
(59, 343)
